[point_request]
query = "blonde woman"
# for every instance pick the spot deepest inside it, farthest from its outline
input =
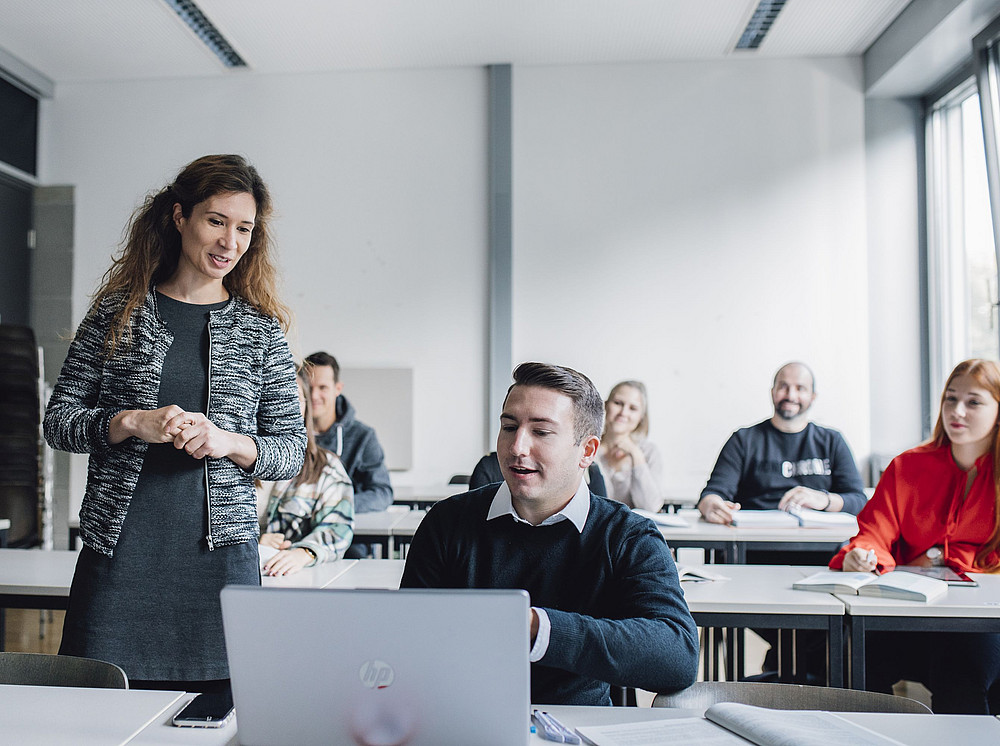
(631, 464)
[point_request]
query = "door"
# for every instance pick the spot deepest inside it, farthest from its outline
(15, 256)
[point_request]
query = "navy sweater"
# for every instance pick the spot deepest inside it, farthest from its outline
(611, 593)
(759, 464)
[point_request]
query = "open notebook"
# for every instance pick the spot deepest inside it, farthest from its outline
(897, 584)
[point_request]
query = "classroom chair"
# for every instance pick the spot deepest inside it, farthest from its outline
(40, 669)
(704, 694)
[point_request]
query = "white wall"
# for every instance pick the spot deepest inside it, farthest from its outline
(379, 181)
(695, 225)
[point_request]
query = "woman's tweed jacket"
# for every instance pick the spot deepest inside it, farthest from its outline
(252, 391)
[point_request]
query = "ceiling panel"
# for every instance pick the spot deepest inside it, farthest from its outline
(107, 40)
(822, 28)
(68, 40)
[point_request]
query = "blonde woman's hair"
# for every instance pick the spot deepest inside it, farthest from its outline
(642, 429)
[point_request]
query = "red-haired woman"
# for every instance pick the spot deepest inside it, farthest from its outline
(937, 504)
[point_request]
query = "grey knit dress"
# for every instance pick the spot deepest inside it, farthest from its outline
(154, 608)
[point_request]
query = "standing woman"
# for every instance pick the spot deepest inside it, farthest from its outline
(937, 504)
(180, 385)
(632, 465)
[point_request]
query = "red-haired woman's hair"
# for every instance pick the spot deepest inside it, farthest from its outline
(986, 374)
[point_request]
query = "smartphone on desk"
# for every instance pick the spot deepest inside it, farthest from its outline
(206, 711)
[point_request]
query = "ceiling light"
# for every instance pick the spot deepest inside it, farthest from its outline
(205, 30)
(760, 23)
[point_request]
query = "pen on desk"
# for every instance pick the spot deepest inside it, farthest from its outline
(551, 729)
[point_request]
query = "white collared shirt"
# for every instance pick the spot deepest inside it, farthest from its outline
(576, 512)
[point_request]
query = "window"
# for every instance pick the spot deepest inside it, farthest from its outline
(962, 265)
(18, 128)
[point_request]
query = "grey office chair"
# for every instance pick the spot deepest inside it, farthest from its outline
(39, 669)
(704, 694)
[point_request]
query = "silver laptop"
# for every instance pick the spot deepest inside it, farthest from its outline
(378, 667)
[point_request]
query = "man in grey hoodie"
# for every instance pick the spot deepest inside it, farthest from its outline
(339, 431)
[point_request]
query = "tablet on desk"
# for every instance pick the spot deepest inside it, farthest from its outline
(941, 572)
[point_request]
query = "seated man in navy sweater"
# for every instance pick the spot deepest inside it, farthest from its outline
(607, 607)
(784, 461)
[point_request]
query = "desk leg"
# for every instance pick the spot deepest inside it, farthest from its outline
(835, 652)
(707, 642)
(857, 651)
(738, 666)
(738, 551)
(786, 646)
(3, 612)
(718, 638)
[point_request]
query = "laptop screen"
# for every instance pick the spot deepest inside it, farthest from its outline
(378, 667)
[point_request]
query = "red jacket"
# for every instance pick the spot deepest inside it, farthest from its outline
(918, 504)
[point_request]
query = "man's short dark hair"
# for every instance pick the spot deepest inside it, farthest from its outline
(325, 358)
(588, 407)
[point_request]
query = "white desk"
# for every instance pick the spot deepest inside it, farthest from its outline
(422, 498)
(393, 527)
(733, 541)
(370, 573)
(103, 717)
(755, 596)
(33, 579)
(960, 610)
(317, 576)
(910, 729)
(83, 717)
(761, 597)
(381, 527)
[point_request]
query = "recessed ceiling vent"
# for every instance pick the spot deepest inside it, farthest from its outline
(205, 30)
(760, 23)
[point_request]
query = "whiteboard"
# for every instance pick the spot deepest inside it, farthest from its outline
(383, 398)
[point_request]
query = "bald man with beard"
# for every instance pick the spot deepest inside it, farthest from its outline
(785, 461)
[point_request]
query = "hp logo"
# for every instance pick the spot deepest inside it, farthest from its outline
(376, 674)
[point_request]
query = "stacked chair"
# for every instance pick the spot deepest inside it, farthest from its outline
(20, 435)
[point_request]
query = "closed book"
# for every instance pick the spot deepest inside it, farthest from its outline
(906, 586)
(764, 519)
(821, 519)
